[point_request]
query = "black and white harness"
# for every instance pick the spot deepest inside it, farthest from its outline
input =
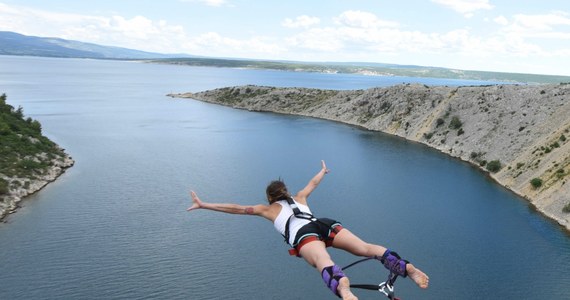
(322, 229)
(297, 213)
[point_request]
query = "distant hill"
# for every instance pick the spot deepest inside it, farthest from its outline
(12, 43)
(363, 68)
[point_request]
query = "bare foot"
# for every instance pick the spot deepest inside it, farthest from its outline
(419, 277)
(344, 289)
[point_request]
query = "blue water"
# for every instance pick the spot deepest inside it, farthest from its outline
(115, 227)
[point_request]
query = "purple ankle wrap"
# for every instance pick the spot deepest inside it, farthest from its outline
(331, 276)
(393, 262)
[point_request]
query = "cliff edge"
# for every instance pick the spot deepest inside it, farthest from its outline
(518, 133)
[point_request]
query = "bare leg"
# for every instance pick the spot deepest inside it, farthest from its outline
(316, 255)
(347, 241)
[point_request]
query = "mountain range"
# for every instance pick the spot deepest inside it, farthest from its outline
(12, 43)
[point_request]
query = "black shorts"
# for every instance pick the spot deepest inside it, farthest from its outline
(324, 229)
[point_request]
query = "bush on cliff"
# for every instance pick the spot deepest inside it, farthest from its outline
(536, 182)
(494, 166)
(4, 189)
(455, 123)
(24, 151)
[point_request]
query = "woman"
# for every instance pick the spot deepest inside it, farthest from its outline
(310, 236)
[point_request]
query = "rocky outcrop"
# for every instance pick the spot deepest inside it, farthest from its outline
(520, 134)
(22, 187)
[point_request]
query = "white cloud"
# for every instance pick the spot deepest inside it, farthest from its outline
(542, 23)
(362, 19)
(215, 3)
(138, 32)
(319, 39)
(214, 44)
(301, 21)
(501, 20)
(361, 34)
(465, 7)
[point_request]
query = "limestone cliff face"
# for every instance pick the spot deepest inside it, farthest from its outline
(519, 132)
(26, 186)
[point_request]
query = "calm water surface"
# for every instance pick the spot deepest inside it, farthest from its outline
(115, 226)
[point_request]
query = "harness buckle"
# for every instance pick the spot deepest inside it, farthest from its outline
(387, 289)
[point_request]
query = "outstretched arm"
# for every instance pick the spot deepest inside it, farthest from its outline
(256, 210)
(312, 185)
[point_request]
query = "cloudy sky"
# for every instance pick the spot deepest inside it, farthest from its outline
(524, 36)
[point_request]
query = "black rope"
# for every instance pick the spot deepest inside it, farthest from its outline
(359, 261)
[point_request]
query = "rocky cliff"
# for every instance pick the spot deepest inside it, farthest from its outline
(20, 187)
(518, 133)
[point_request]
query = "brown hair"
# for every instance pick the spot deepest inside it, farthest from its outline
(276, 190)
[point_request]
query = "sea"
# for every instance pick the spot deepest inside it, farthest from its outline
(115, 225)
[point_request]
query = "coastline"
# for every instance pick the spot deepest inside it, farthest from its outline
(521, 128)
(10, 203)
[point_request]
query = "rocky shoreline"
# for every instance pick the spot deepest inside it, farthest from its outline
(519, 134)
(27, 186)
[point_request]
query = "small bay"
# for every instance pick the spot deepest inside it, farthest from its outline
(114, 226)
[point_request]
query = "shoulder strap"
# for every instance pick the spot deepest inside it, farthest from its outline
(297, 212)
(294, 207)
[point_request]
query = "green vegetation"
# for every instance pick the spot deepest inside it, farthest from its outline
(4, 188)
(455, 123)
(536, 183)
(494, 166)
(439, 122)
(24, 151)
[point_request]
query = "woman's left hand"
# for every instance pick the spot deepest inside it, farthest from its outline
(196, 202)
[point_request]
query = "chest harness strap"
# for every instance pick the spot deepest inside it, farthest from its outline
(297, 213)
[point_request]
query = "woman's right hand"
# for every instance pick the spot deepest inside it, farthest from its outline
(324, 166)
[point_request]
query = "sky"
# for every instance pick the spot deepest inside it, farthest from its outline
(488, 35)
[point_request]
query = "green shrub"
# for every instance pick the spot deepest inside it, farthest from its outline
(439, 122)
(4, 189)
(455, 123)
(494, 166)
(536, 183)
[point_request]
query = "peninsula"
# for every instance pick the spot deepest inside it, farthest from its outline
(519, 134)
(28, 160)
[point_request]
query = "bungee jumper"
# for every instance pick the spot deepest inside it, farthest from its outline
(309, 237)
